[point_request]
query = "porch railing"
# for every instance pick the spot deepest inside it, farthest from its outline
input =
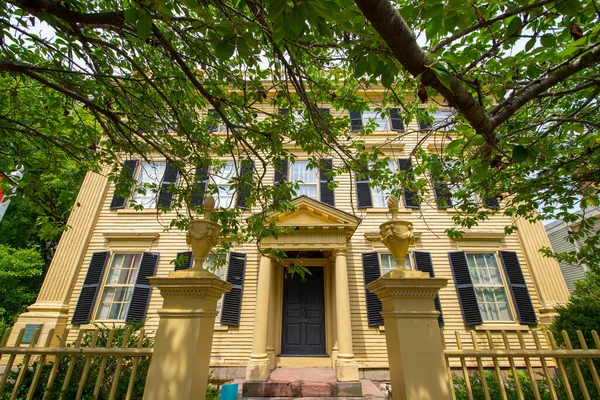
(99, 364)
(528, 365)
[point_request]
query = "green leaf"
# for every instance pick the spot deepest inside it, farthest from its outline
(131, 15)
(520, 153)
(455, 146)
(443, 75)
(224, 50)
(548, 40)
(144, 25)
(530, 43)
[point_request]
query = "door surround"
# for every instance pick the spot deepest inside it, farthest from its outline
(276, 318)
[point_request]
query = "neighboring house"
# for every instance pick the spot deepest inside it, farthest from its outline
(558, 232)
(496, 282)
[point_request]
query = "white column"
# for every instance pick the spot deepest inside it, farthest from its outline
(346, 368)
(258, 365)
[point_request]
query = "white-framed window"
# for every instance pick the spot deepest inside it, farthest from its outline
(117, 290)
(379, 194)
(149, 177)
(306, 178)
(388, 263)
(489, 286)
(382, 122)
(215, 125)
(221, 177)
(455, 184)
(443, 120)
(216, 263)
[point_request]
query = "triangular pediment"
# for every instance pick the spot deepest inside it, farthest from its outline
(308, 212)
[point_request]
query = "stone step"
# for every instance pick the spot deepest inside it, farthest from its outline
(308, 398)
(305, 389)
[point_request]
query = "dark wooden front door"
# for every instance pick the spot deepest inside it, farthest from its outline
(303, 331)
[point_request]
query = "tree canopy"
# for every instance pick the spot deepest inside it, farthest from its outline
(105, 79)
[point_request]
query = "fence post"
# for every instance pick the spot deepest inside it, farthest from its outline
(180, 362)
(415, 353)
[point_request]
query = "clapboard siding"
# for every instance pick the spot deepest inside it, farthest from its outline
(232, 345)
(558, 240)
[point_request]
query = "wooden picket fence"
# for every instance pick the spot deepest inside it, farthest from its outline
(523, 366)
(117, 358)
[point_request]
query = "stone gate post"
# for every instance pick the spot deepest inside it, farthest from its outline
(415, 353)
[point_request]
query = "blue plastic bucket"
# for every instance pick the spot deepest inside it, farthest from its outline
(229, 391)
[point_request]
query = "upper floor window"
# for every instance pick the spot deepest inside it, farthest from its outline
(306, 178)
(214, 121)
(370, 195)
(442, 120)
(154, 184)
(118, 287)
(222, 178)
(384, 121)
(150, 175)
(380, 194)
(489, 287)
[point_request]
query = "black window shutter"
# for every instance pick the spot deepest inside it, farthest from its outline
(492, 202)
(281, 171)
(188, 260)
(127, 172)
(396, 120)
(281, 176)
(423, 124)
(89, 291)
(363, 191)
(232, 301)
(142, 289)
(165, 195)
(214, 124)
(372, 272)
(324, 111)
(246, 173)
(443, 196)
(464, 288)
(423, 263)
(199, 187)
(518, 287)
(356, 122)
(327, 194)
(410, 198)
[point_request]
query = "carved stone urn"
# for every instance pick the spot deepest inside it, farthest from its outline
(203, 234)
(397, 234)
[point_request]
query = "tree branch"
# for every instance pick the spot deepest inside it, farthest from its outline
(401, 40)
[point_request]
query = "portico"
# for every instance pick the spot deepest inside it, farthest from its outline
(287, 317)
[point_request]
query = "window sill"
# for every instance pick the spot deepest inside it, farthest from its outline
(219, 327)
(131, 211)
(385, 210)
(507, 326)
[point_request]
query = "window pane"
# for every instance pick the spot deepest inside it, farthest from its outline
(379, 194)
(149, 178)
(489, 287)
(118, 288)
(306, 178)
(222, 178)
(387, 263)
(381, 122)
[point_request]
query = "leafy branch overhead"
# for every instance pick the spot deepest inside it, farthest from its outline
(96, 81)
